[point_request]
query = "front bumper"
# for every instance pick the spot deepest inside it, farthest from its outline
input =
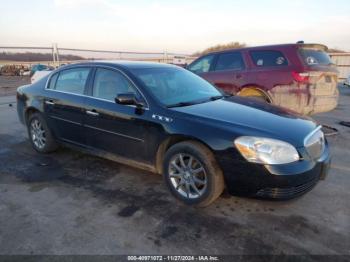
(274, 181)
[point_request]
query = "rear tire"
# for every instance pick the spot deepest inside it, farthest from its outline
(255, 93)
(260, 98)
(40, 135)
(192, 174)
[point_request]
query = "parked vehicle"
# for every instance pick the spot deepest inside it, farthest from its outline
(39, 74)
(24, 72)
(39, 67)
(166, 119)
(298, 76)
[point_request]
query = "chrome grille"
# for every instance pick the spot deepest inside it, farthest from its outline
(315, 143)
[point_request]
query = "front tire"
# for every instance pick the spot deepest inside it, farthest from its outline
(40, 135)
(192, 174)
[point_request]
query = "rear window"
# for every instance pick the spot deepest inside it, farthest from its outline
(72, 80)
(268, 58)
(53, 80)
(315, 57)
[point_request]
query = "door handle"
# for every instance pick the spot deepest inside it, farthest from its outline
(49, 102)
(238, 76)
(92, 112)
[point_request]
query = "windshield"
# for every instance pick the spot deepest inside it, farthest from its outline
(315, 57)
(173, 86)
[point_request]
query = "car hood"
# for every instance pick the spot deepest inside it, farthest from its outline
(246, 116)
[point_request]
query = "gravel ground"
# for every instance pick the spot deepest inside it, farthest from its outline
(9, 84)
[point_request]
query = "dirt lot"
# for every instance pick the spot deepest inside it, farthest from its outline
(9, 84)
(71, 203)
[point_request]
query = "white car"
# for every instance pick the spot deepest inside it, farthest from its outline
(38, 75)
(347, 81)
(24, 73)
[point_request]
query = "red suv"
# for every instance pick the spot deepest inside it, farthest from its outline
(298, 76)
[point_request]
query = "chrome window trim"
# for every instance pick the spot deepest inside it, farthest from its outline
(131, 81)
(311, 134)
(59, 71)
(106, 100)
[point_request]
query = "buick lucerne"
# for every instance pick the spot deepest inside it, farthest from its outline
(170, 121)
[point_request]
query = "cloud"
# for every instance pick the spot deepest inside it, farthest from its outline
(188, 26)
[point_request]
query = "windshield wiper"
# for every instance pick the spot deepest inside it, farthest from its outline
(212, 98)
(219, 97)
(180, 104)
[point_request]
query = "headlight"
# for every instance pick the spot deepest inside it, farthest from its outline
(266, 150)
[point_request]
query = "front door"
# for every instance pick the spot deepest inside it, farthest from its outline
(203, 66)
(228, 72)
(112, 127)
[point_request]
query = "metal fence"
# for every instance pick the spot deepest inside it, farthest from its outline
(342, 60)
(92, 54)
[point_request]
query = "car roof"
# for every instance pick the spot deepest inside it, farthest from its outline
(123, 64)
(264, 47)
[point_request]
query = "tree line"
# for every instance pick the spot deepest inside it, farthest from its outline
(31, 57)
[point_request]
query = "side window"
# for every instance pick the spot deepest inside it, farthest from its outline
(202, 65)
(72, 80)
(268, 58)
(52, 82)
(230, 61)
(109, 83)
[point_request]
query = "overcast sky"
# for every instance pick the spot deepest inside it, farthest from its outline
(172, 25)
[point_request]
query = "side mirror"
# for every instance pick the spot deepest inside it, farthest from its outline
(128, 99)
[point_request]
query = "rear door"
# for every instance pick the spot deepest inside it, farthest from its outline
(64, 103)
(270, 68)
(228, 72)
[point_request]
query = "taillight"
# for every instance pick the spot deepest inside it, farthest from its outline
(301, 77)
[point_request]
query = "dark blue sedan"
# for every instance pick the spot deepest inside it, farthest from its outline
(168, 120)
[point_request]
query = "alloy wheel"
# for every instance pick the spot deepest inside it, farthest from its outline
(38, 135)
(187, 175)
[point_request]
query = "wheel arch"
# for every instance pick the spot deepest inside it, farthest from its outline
(255, 88)
(29, 111)
(169, 142)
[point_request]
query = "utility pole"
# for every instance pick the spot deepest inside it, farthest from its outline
(55, 55)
